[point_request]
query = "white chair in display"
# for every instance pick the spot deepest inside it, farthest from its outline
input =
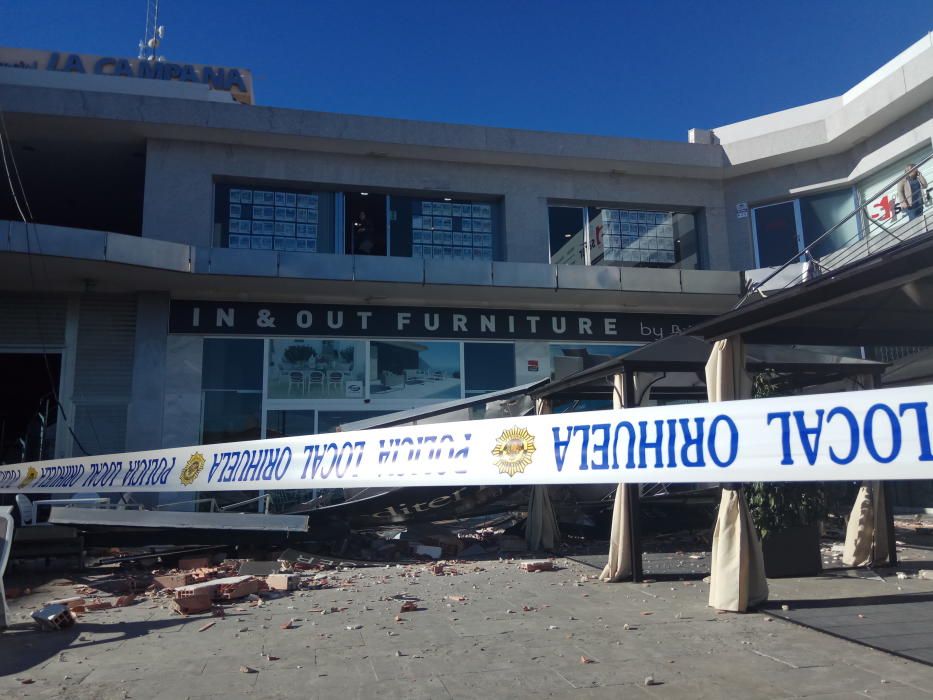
(315, 378)
(296, 379)
(335, 380)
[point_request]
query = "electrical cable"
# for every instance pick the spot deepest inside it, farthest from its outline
(4, 145)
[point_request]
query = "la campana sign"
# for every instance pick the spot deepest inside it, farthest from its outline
(237, 81)
(867, 435)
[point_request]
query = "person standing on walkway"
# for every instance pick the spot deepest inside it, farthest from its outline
(910, 192)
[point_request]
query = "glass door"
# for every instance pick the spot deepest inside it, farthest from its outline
(778, 233)
(366, 223)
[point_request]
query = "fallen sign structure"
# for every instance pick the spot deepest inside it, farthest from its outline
(879, 434)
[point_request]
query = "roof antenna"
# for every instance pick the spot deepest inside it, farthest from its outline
(153, 34)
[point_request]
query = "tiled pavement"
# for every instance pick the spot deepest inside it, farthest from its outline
(515, 635)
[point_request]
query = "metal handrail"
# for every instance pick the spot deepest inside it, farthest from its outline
(806, 253)
(264, 497)
(194, 501)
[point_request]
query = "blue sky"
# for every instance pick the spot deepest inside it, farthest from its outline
(625, 68)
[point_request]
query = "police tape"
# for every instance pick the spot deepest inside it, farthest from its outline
(881, 434)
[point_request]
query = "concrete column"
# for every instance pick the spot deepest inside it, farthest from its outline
(526, 228)
(144, 413)
(179, 194)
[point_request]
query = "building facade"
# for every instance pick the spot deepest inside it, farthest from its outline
(195, 268)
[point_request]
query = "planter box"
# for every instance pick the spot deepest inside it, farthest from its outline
(793, 552)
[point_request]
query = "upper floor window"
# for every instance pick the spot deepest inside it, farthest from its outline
(784, 229)
(629, 237)
(356, 223)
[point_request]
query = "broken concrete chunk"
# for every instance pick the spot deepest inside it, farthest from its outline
(192, 605)
(54, 617)
(173, 580)
(283, 582)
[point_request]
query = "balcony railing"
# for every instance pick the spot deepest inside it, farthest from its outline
(874, 236)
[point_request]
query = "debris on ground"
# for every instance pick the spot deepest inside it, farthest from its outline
(54, 617)
(535, 565)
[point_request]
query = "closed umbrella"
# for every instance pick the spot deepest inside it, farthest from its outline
(867, 531)
(737, 570)
(6, 544)
(541, 530)
(619, 566)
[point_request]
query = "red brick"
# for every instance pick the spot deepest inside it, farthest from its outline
(194, 563)
(173, 580)
(192, 605)
(282, 582)
(241, 589)
(538, 565)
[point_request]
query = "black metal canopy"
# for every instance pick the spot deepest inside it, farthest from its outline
(884, 299)
(683, 353)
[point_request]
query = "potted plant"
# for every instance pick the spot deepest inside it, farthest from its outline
(786, 515)
(298, 354)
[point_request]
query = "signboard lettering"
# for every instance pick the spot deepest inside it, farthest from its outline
(287, 319)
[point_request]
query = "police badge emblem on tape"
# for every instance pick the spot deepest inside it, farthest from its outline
(193, 467)
(31, 474)
(514, 449)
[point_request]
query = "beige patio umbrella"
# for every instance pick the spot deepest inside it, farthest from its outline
(6, 544)
(737, 570)
(541, 530)
(867, 531)
(619, 566)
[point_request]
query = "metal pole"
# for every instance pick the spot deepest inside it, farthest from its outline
(632, 495)
(886, 495)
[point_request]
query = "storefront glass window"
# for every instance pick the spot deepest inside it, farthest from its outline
(290, 423)
(231, 416)
(414, 370)
(443, 228)
(305, 368)
(622, 237)
(488, 367)
(783, 230)
(821, 212)
(569, 359)
(884, 207)
(274, 218)
(328, 421)
(567, 232)
(232, 363)
(231, 374)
